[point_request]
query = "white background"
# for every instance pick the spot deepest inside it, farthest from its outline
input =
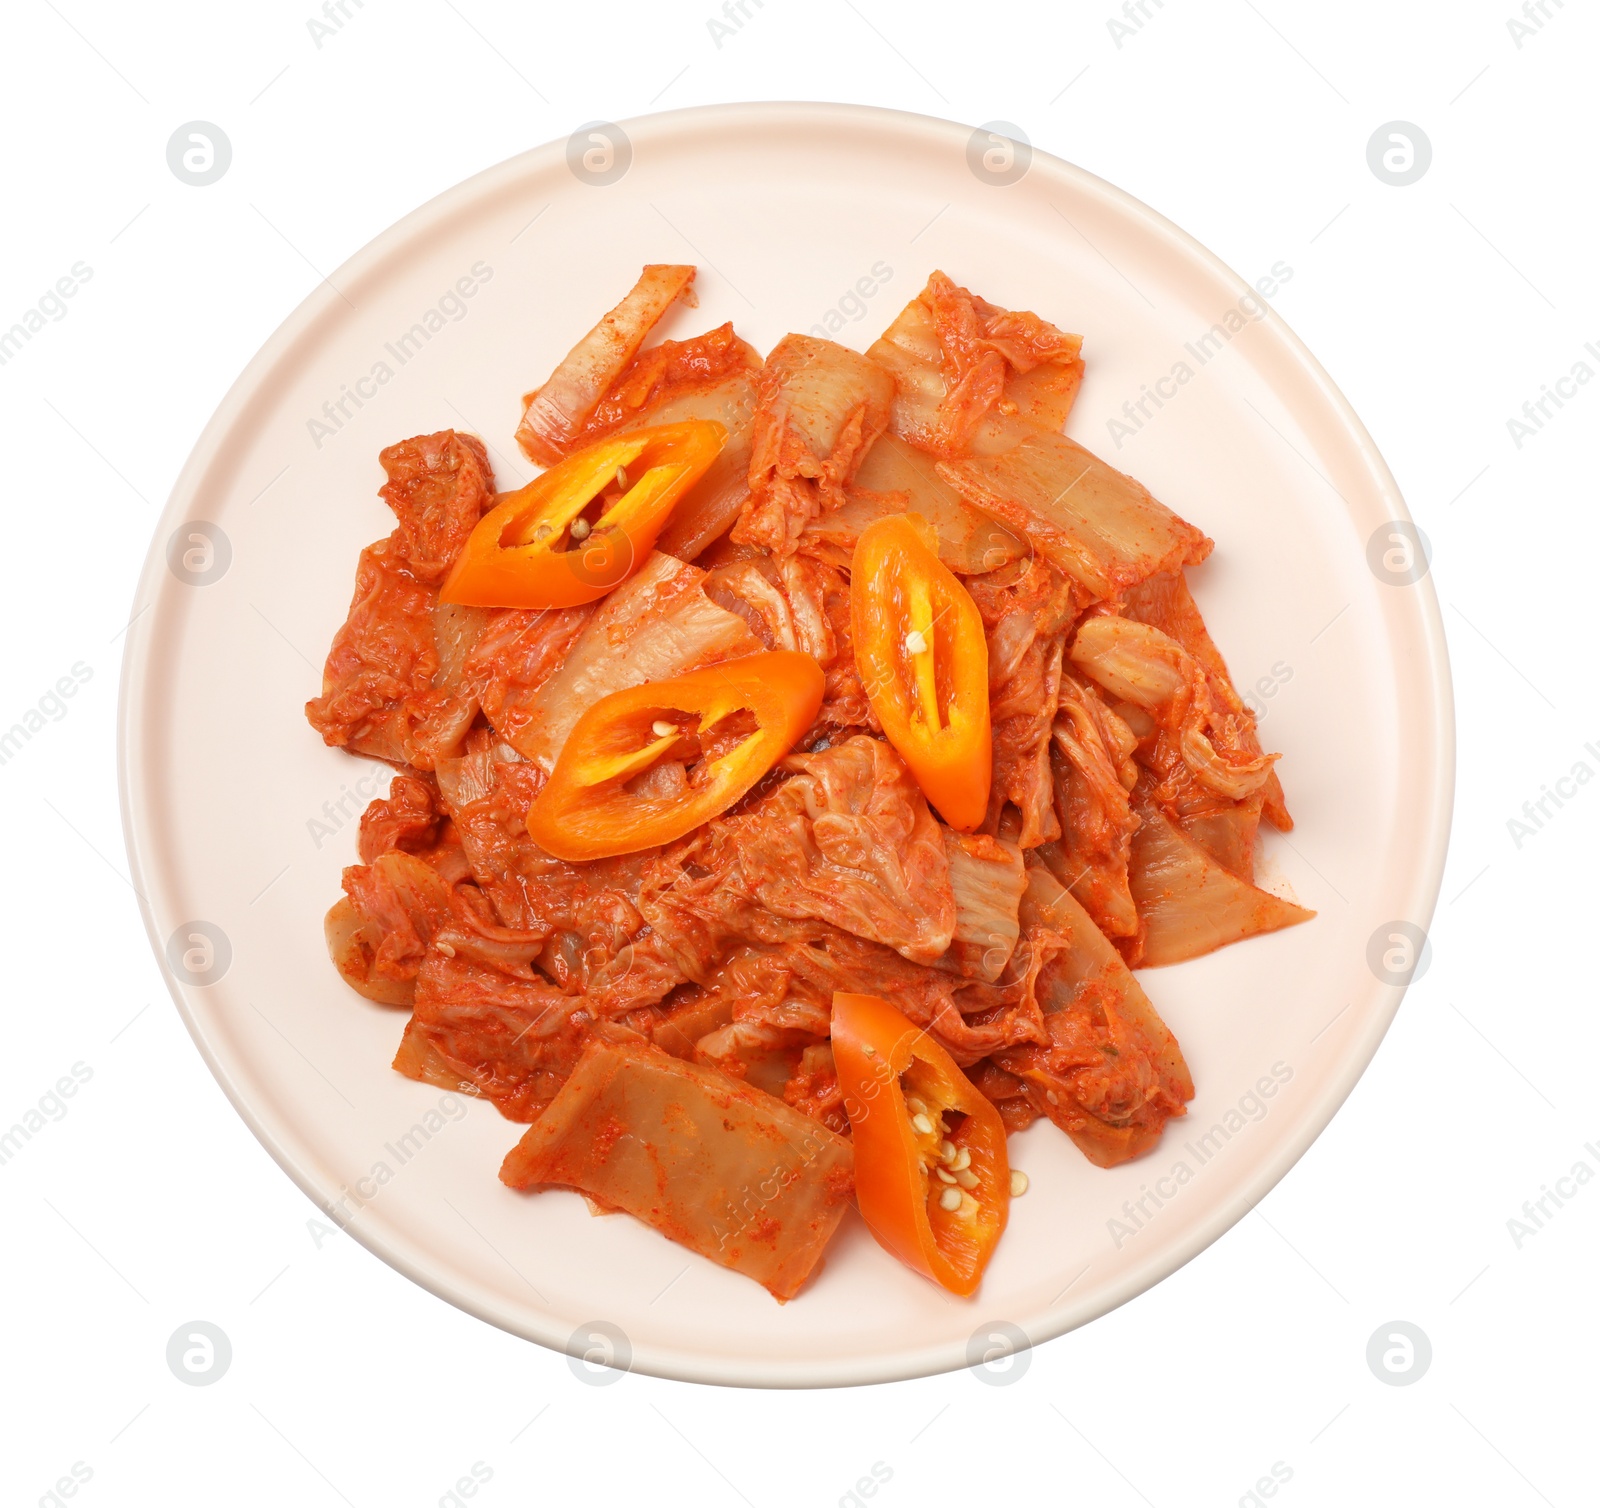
(1439, 308)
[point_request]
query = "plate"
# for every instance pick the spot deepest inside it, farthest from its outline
(822, 218)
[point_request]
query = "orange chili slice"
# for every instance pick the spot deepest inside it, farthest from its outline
(932, 1178)
(585, 525)
(924, 663)
(648, 764)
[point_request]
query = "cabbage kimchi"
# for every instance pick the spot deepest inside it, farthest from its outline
(907, 699)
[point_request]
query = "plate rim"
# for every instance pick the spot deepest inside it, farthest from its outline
(665, 1361)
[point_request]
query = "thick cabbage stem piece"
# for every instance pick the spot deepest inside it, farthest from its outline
(657, 624)
(1112, 1075)
(708, 508)
(895, 477)
(555, 413)
(987, 879)
(716, 1165)
(1189, 903)
(1089, 520)
(1229, 834)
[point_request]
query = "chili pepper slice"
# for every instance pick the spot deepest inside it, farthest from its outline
(585, 525)
(932, 1178)
(648, 764)
(924, 662)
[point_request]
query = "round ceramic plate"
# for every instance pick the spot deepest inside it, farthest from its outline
(820, 218)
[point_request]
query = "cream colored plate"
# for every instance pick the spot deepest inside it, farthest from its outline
(238, 817)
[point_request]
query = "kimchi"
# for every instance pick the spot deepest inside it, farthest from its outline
(904, 711)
